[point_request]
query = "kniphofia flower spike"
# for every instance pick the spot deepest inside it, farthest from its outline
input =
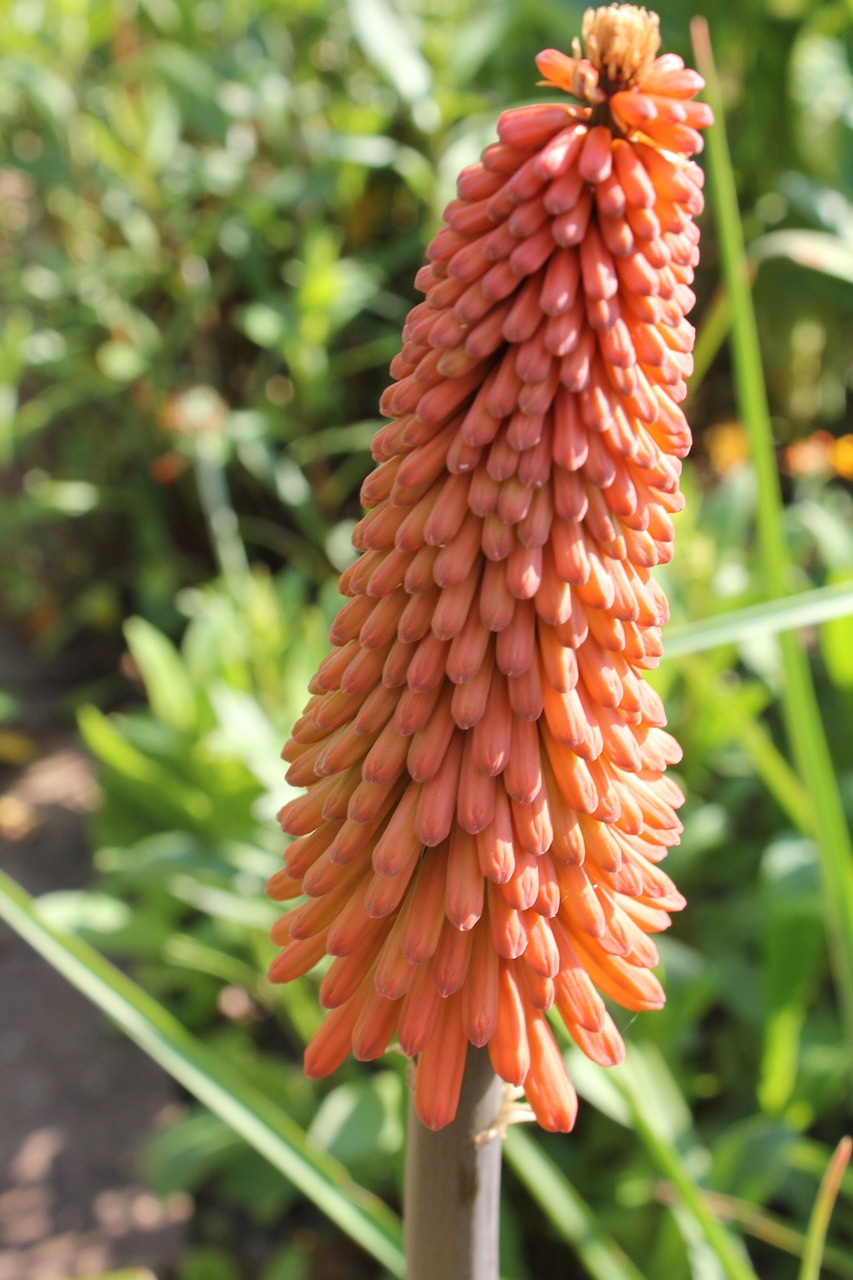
(486, 806)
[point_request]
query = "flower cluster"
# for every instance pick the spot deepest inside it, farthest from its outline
(486, 805)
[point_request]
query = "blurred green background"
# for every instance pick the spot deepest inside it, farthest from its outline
(211, 215)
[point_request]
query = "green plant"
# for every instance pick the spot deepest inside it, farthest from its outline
(740, 1124)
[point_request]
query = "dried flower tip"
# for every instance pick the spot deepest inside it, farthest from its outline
(621, 42)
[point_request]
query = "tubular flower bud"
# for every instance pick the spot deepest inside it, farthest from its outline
(486, 805)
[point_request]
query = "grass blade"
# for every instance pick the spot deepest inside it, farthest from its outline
(806, 735)
(654, 1104)
(822, 1212)
(771, 617)
(779, 778)
(713, 330)
(359, 1213)
(769, 1227)
(567, 1212)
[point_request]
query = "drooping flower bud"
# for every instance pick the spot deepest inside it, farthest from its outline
(486, 806)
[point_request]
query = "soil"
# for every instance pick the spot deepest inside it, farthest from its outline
(78, 1100)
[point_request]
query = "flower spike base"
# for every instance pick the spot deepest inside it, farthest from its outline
(486, 806)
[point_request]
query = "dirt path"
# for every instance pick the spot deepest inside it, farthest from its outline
(77, 1099)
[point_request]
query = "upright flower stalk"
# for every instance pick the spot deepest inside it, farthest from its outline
(486, 805)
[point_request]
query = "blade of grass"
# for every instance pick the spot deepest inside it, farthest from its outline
(771, 617)
(802, 714)
(671, 1166)
(649, 1102)
(822, 1212)
(770, 1228)
(808, 1156)
(771, 766)
(568, 1213)
(712, 332)
(322, 1179)
(135, 1273)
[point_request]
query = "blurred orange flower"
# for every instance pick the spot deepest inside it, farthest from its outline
(820, 454)
(486, 806)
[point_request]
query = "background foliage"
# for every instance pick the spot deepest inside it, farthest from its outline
(211, 214)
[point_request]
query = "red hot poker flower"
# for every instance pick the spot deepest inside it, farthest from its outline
(486, 807)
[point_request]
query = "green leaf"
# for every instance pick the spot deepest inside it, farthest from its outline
(265, 325)
(182, 1156)
(836, 642)
(733, 720)
(751, 1159)
(147, 783)
(806, 735)
(661, 1120)
(291, 1262)
(567, 1212)
(120, 361)
(824, 1204)
(361, 1122)
(194, 79)
(132, 1273)
(187, 952)
(80, 910)
(387, 44)
(208, 1262)
(157, 856)
(167, 682)
(247, 733)
(793, 945)
(772, 617)
(249, 1182)
(9, 704)
(212, 1081)
(816, 250)
(222, 904)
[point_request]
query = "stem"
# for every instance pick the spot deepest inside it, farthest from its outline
(452, 1193)
(220, 515)
(819, 1225)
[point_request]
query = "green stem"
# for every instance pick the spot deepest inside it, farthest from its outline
(716, 321)
(799, 702)
(220, 515)
(732, 1258)
(822, 1212)
(779, 778)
